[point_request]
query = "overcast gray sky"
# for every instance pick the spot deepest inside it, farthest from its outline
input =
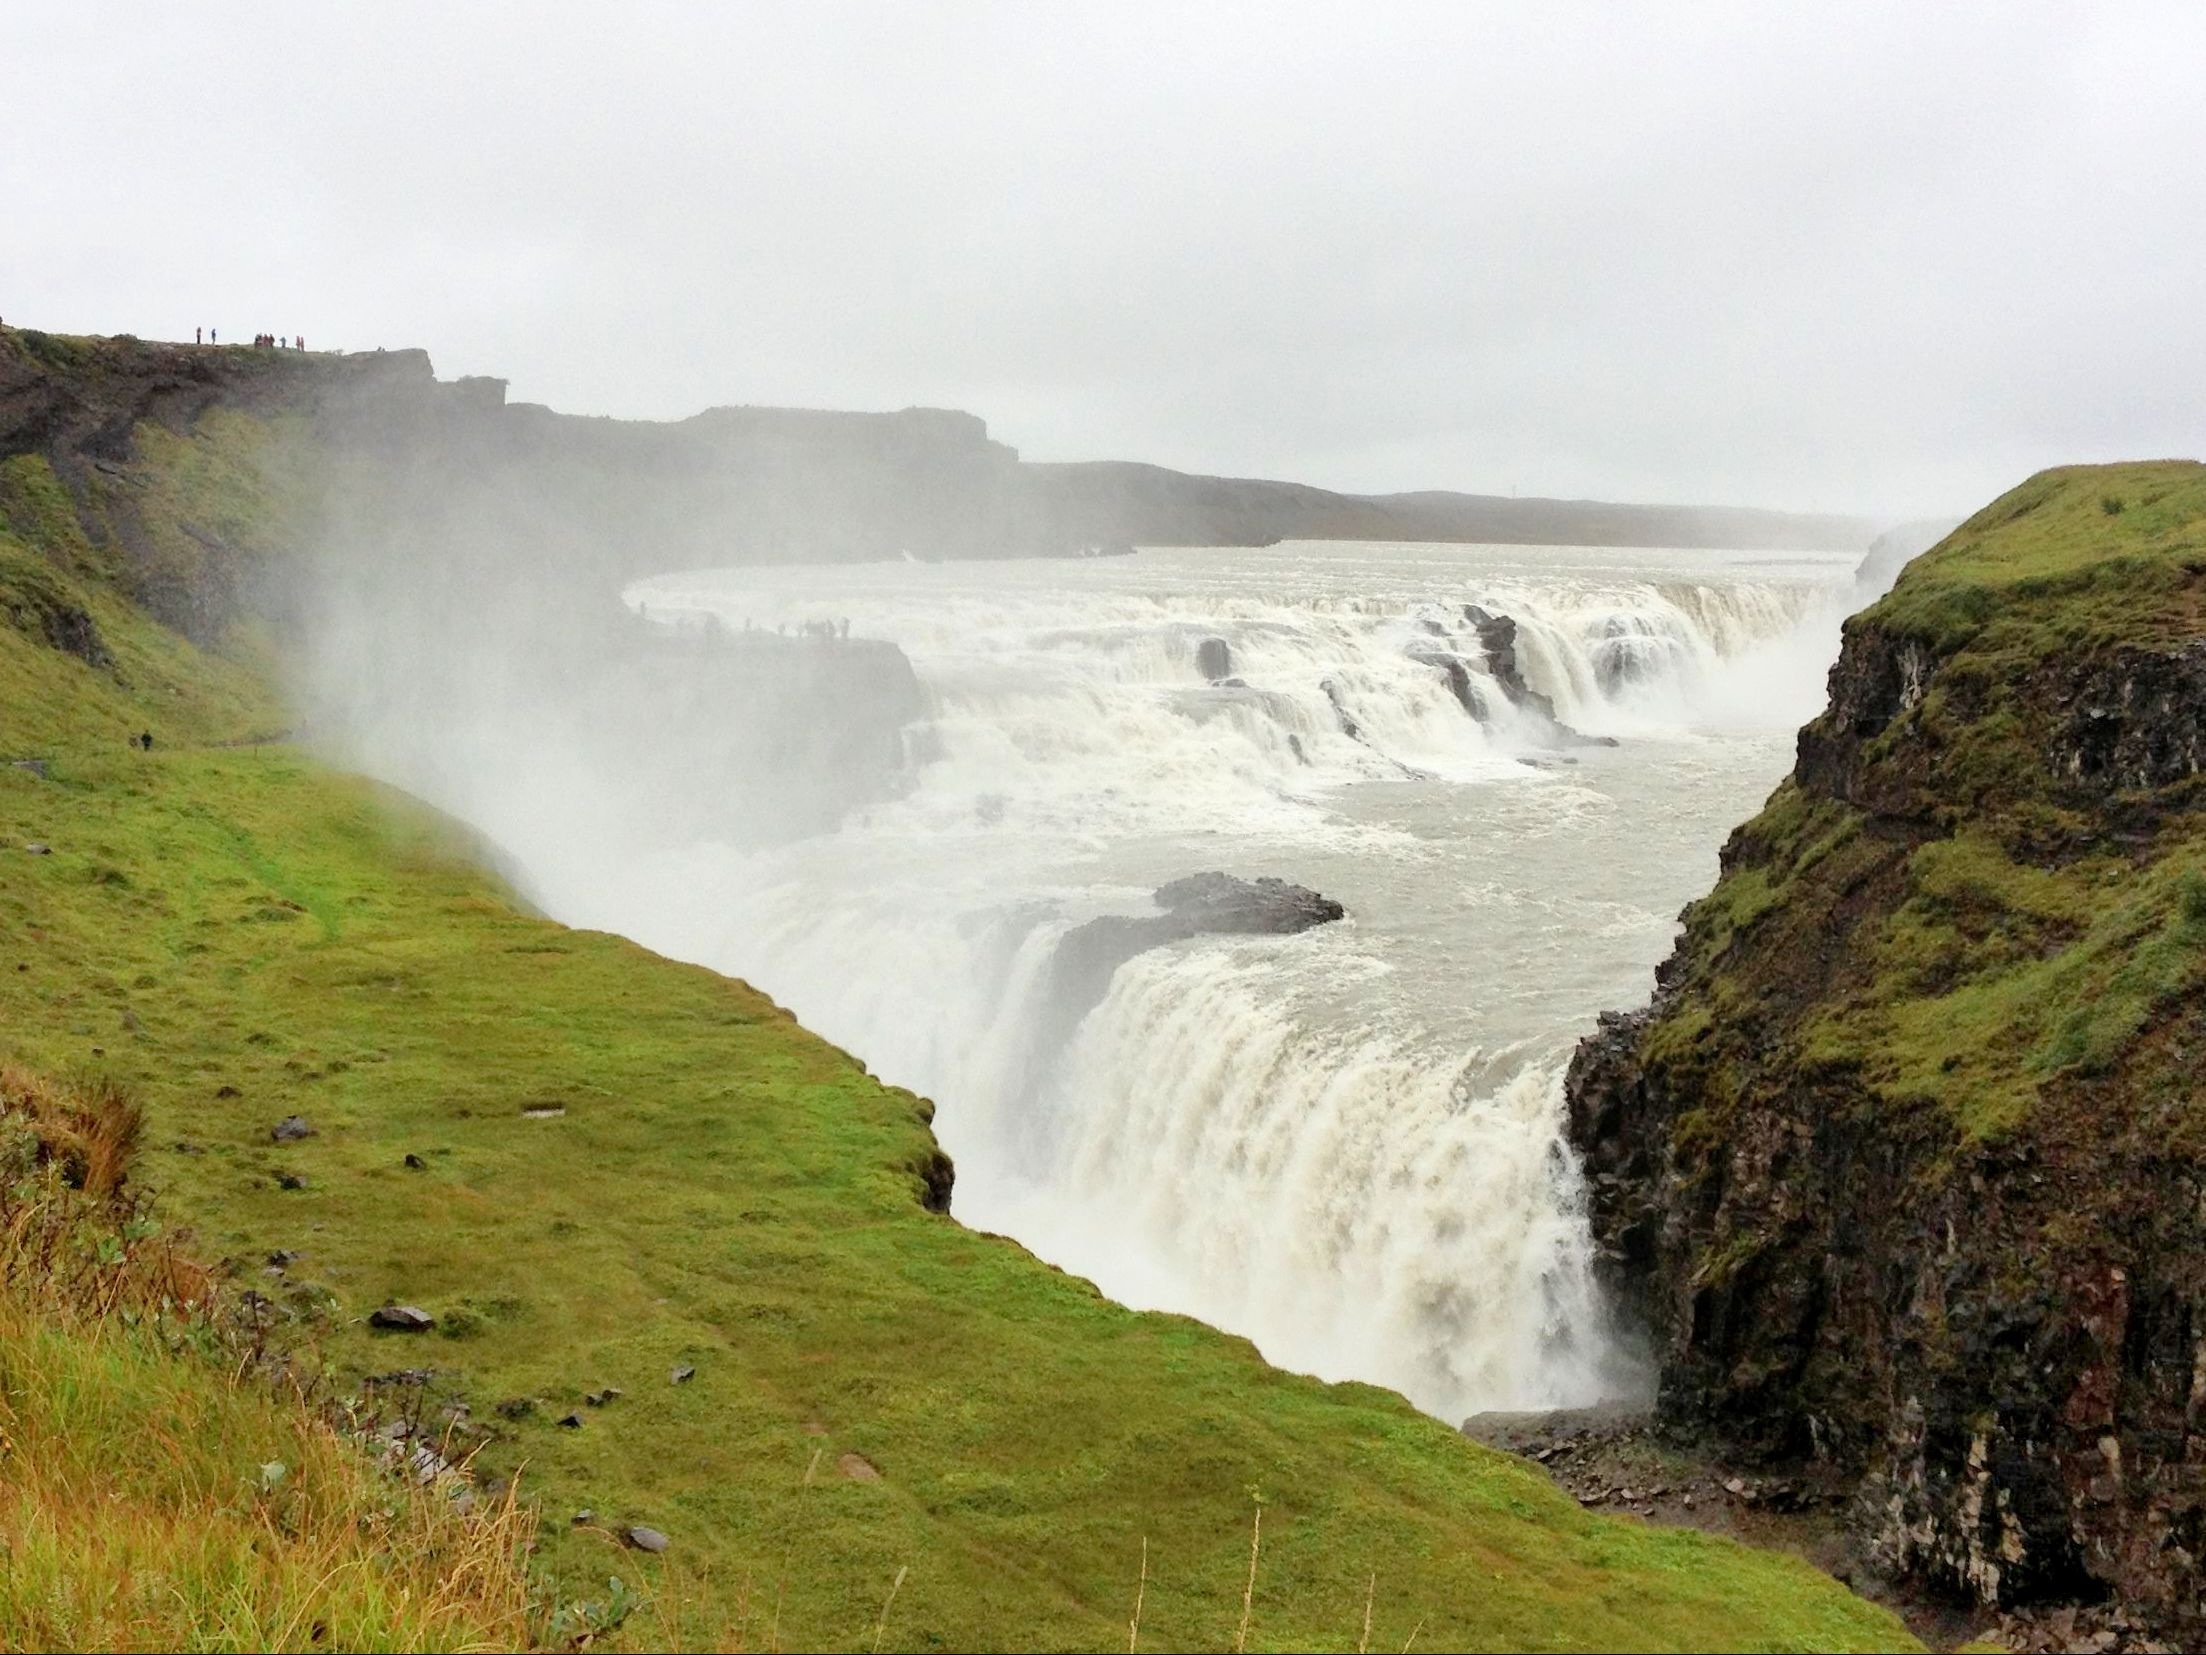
(1872, 257)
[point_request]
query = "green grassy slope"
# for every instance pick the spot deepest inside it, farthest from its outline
(2025, 942)
(241, 935)
(160, 1491)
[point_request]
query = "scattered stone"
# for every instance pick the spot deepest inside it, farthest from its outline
(34, 848)
(226, 1092)
(681, 1376)
(291, 1129)
(290, 1181)
(643, 1539)
(585, 1515)
(402, 1318)
(283, 1258)
(598, 1399)
(415, 1163)
(572, 1422)
(184, 1146)
(36, 767)
(858, 1468)
(516, 1407)
(543, 1111)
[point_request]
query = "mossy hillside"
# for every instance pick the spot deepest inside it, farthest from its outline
(241, 936)
(160, 1487)
(178, 479)
(1975, 937)
(203, 511)
(2076, 558)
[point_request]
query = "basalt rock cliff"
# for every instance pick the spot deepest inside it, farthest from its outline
(1901, 1168)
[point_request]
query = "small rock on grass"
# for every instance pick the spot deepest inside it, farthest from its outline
(858, 1468)
(34, 848)
(572, 1422)
(643, 1539)
(598, 1399)
(291, 1180)
(415, 1163)
(585, 1515)
(291, 1129)
(402, 1318)
(681, 1376)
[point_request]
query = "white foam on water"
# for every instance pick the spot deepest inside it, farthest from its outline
(1345, 1144)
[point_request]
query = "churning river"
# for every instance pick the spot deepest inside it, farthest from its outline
(1345, 1144)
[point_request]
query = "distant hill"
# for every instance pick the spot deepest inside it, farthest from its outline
(1121, 501)
(560, 492)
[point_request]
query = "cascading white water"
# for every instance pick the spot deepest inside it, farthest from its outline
(1344, 1144)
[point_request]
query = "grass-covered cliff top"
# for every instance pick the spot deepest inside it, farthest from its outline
(2077, 557)
(597, 1169)
(1985, 889)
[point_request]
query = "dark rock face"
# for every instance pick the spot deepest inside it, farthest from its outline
(1348, 725)
(937, 1178)
(1497, 636)
(1224, 903)
(1204, 904)
(1214, 659)
(2134, 722)
(1451, 667)
(1999, 1340)
(71, 630)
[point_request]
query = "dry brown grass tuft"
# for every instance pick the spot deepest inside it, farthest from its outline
(89, 1130)
(73, 1237)
(163, 1483)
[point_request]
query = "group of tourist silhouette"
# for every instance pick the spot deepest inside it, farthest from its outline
(266, 341)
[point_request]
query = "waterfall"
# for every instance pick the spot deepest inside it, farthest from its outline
(1346, 1143)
